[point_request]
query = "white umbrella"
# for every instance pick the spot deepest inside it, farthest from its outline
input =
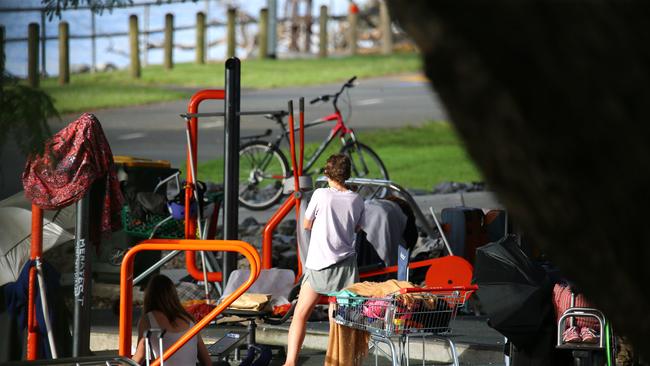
(16, 231)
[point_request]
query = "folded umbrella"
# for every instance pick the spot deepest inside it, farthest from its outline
(513, 291)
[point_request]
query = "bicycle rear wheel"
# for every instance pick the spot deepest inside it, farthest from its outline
(365, 163)
(262, 169)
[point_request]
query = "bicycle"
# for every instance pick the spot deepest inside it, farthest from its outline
(263, 166)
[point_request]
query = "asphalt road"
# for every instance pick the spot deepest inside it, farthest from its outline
(156, 131)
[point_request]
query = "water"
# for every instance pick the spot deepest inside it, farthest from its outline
(114, 50)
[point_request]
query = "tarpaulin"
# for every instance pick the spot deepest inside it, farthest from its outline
(74, 159)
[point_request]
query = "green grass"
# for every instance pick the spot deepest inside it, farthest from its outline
(115, 89)
(416, 157)
(86, 95)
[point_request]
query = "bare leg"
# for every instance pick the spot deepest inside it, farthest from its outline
(306, 302)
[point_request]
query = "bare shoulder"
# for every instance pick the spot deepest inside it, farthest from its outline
(179, 325)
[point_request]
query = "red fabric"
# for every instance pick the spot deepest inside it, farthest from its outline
(73, 159)
(199, 311)
(562, 301)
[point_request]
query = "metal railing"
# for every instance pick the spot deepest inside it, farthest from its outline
(126, 286)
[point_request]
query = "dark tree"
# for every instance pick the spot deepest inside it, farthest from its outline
(552, 99)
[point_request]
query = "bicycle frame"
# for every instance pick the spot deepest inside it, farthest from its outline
(339, 129)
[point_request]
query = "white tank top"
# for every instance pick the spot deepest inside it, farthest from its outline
(186, 355)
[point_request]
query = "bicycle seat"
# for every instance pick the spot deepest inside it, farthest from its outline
(276, 115)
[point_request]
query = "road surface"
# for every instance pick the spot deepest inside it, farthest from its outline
(156, 131)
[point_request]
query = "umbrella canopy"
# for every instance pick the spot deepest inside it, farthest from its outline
(16, 231)
(514, 291)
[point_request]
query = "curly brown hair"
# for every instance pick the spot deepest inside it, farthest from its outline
(337, 168)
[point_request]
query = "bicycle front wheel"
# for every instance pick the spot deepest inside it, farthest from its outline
(365, 163)
(262, 170)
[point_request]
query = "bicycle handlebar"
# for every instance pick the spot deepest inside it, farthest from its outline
(326, 97)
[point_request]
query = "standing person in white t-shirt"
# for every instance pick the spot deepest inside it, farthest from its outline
(334, 215)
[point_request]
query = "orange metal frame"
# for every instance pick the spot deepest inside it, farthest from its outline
(192, 160)
(294, 199)
(126, 285)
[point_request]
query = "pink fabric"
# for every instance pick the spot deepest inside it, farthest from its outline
(74, 159)
(562, 301)
(375, 308)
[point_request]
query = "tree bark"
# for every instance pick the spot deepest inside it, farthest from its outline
(552, 100)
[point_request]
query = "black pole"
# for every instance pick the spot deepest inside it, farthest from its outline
(82, 280)
(231, 164)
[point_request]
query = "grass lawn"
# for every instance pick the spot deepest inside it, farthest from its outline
(113, 89)
(416, 157)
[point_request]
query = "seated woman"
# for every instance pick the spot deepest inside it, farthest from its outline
(163, 310)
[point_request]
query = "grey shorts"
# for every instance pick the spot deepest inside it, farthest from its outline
(333, 278)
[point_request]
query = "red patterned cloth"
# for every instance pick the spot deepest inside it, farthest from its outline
(562, 301)
(199, 311)
(74, 159)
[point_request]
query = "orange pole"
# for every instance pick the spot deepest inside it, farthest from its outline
(301, 118)
(267, 234)
(126, 285)
(302, 135)
(190, 222)
(292, 148)
(36, 251)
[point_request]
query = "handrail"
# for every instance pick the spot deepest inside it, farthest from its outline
(192, 153)
(126, 285)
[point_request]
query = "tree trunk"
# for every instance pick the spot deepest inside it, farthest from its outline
(552, 100)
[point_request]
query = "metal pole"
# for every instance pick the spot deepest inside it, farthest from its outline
(82, 285)
(231, 165)
(45, 307)
(93, 42)
(43, 40)
(272, 5)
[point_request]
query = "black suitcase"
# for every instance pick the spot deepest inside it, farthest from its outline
(464, 229)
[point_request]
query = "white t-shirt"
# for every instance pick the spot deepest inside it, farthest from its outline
(336, 215)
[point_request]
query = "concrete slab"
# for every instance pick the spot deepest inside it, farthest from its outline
(475, 342)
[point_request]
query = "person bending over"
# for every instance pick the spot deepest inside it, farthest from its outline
(333, 215)
(163, 310)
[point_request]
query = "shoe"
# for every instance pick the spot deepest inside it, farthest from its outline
(588, 335)
(571, 335)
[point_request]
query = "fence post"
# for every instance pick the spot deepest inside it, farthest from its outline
(200, 38)
(64, 54)
(32, 55)
(135, 47)
(322, 35)
(384, 26)
(353, 20)
(231, 50)
(2, 50)
(263, 38)
(169, 41)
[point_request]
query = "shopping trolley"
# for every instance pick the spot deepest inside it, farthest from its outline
(409, 313)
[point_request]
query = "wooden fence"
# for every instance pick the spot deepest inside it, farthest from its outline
(36, 39)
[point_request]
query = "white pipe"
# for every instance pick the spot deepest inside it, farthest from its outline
(442, 233)
(46, 312)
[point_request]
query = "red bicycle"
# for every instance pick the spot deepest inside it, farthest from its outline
(263, 166)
